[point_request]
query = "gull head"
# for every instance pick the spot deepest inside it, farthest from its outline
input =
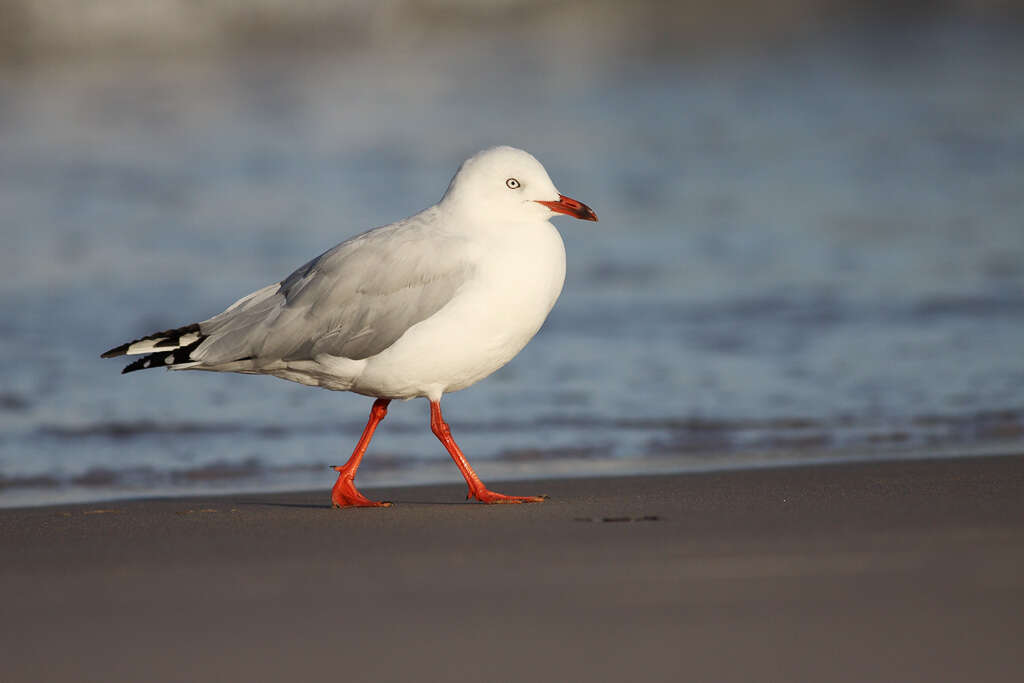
(507, 184)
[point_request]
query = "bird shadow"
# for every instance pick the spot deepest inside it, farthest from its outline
(264, 503)
(328, 506)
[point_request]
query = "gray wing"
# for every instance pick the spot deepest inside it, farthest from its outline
(354, 300)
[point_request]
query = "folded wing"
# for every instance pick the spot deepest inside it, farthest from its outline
(354, 300)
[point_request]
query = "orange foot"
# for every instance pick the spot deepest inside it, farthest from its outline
(490, 497)
(345, 495)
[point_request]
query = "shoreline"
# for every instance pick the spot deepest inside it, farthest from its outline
(441, 472)
(892, 570)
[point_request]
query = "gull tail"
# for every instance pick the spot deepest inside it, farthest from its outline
(170, 348)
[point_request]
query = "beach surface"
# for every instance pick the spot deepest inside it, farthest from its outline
(889, 571)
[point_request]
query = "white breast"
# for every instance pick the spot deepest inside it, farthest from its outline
(518, 275)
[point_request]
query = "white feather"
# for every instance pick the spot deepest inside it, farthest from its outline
(427, 305)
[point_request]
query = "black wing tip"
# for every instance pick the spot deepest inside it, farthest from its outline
(177, 331)
(116, 351)
(163, 359)
(141, 364)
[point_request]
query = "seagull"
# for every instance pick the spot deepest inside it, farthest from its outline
(423, 307)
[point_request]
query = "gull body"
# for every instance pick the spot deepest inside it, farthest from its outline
(425, 306)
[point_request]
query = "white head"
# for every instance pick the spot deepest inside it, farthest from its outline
(508, 183)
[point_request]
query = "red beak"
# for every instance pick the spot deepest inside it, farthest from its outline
(571, 207)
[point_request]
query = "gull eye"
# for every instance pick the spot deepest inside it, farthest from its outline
(512, 184)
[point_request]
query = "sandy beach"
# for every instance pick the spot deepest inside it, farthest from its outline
(885, 571)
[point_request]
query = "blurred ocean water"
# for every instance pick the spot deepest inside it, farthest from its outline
(810, 252)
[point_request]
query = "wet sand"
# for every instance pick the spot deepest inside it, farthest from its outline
(884, 571)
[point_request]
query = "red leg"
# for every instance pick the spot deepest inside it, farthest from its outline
(476, 487)
(344, 493)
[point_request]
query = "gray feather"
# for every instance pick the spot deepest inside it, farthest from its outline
(354, 300)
